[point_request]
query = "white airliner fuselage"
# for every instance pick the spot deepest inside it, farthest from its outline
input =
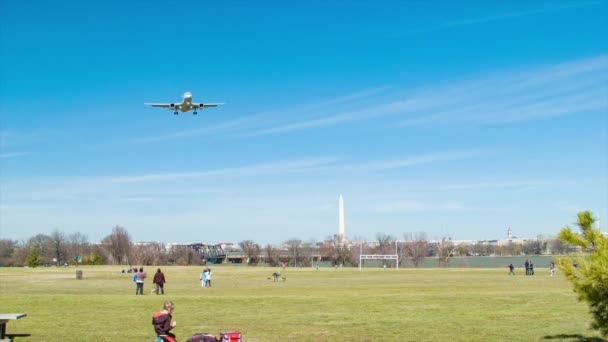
(185, 105)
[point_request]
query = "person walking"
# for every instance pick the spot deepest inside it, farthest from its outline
(139, 281)
(527, 265)
(552, 268)
(511, 267)
(159, 281)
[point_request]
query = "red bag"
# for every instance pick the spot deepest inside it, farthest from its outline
(233, 336)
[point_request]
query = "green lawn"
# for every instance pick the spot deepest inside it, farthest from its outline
(311, 305)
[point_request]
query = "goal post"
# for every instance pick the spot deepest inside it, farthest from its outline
(379, 256)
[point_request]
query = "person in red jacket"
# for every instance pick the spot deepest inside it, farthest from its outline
(159, 281)
(162, 322)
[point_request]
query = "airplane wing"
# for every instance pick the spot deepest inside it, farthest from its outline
(205, 105)
(161, 105)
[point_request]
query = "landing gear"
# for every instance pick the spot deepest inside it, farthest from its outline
(195, 112)
(175, 113)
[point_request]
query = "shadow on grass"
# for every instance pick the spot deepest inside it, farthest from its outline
(574, 338)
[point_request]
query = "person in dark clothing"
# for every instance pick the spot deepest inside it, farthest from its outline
(162, 321)
(511, 269)
(159, 281)
(531, 268)
(527, 265)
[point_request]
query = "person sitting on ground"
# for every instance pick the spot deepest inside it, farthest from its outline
(162, 322)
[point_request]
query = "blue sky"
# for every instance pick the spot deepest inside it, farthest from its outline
(457, 119)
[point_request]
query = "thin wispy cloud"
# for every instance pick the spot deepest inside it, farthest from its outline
(265, 119)
(506, 97)
(422, 159)
(567, 89)
(12, 155)
(419, 206)
(510, 96)
(550, 8)
(300, 165)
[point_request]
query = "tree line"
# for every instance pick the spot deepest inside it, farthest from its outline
(117, 248)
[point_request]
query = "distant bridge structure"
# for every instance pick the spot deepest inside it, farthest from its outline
(210, 253)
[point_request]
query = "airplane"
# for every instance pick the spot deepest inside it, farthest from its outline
(185, 105)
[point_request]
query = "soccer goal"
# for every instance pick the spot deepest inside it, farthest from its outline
(363, 256)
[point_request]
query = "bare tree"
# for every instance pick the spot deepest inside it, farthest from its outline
(147, 254)
(308, 252)
(557, 246)
(43, 244)
(336, 251)
(482, 248)
(272, 255)
(295, 251)
(119, 244)
(532, 247)
(8, 253)
(183, 255)
(509, 249)
(98, 255)
(445, 250)
(77, 244)
(417, 247)
(462, 249)
(385, 244)
(59, 246)
(252, 251)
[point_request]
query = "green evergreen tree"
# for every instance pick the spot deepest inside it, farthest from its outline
(590, 275)
(33, 259)
(95, 259)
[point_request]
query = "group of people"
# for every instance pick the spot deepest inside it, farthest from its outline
(530, 268)
(140, 276)
(205, 277)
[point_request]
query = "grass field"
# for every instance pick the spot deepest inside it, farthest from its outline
(311, 305)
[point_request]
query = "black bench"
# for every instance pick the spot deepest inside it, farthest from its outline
(12, 336)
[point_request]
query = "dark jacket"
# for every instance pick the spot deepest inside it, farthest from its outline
(159, 278)
(162, 323)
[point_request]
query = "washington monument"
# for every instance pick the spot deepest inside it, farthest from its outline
(340, 219)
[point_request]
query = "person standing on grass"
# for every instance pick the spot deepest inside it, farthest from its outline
(511, 267)
(139, 280)
(527, 265)
(162, 322)
(208, 277)
(203, 279)
(159, 281)
(531, 268)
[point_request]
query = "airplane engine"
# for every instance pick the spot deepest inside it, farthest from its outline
(172, 105)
